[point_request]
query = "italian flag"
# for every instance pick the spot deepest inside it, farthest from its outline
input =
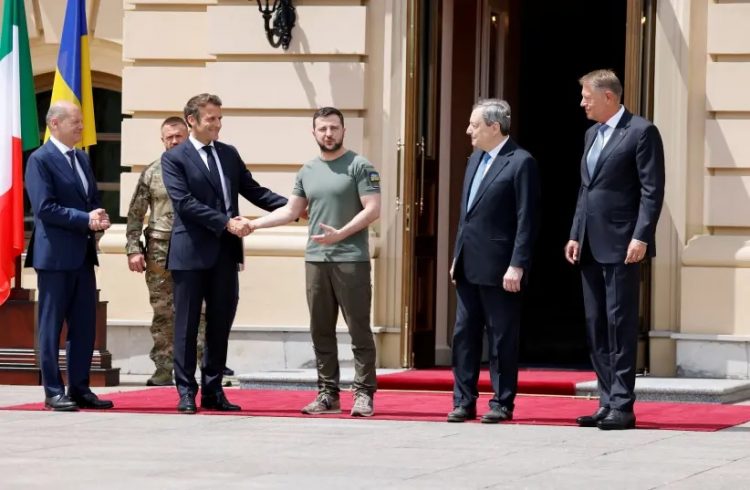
(18, 132)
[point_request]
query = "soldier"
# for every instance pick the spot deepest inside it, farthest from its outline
(150, 192)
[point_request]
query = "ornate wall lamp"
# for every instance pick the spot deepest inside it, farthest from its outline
(279, 33)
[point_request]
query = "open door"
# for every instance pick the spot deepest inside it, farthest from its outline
(638, 86)
(420, 152)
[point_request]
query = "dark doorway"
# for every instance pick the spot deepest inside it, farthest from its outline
(559, 42)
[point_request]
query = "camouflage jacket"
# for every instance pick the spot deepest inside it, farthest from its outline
(150, 192)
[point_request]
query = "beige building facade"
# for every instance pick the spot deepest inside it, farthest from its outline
(405, 73)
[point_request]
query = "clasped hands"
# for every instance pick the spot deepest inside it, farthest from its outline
(99, 220)
(240, 226)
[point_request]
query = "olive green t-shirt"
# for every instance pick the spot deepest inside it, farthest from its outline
(333, 189)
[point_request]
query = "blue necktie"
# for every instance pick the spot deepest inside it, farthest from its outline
(481, 169)
(596, 149)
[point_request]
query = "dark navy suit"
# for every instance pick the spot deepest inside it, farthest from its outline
(62, 250)
(204, 257)
(619, 202)
(497, 231)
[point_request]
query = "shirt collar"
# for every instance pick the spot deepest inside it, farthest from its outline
(60, 146)
(197, 144)
(496, 150)
(613, 121)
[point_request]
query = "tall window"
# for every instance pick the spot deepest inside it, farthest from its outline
(105, 155)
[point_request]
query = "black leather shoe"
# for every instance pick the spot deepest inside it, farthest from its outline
(90, 400)
(218, 402)
(591, 420)
(187, 404)
(462, 414)
(228, 372)
(617, 420)
(497, 414)
(60, 403)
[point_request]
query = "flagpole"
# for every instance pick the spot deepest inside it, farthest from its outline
(18, 292)
(18, 273)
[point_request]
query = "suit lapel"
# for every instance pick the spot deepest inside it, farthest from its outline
(498, 164)
(87, 172)
(471, 169)
(224, 157)
(587, 147)
(63, 167)
(617, 136)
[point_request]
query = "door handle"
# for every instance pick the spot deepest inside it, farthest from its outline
(399, 154)
(420, 146)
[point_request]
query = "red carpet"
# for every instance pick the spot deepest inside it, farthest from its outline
(433, 407)
(530, 381)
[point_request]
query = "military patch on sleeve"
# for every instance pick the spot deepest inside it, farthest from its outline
(374, 179)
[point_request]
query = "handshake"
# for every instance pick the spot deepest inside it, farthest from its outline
(99, 220)
(240, 226)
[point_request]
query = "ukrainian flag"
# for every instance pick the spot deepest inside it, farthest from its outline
(73, 74)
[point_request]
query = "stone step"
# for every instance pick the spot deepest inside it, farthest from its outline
(296, 379)
(701, 390)
(647, 388)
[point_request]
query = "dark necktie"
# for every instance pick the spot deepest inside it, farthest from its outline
(77, 172)
(213, 170)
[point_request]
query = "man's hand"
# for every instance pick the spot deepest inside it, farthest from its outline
(636, 251)
(512, 279)
(240, 226)
(329, 236)
(99, 220)
(137, 262)
(453, 268)
(572, 251)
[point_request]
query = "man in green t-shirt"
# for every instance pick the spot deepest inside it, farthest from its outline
(341, 191)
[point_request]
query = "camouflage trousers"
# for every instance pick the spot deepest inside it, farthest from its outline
(160, 290)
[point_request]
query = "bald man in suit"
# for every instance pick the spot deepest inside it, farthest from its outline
(67, 212)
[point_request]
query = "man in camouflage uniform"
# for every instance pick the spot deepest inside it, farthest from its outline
(150, 192)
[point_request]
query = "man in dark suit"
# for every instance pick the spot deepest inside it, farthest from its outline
(203, 178)
(496, 231)
(62, 250)
(622, 190)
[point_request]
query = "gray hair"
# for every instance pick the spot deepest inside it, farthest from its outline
(603, 80)
(495, 111)
(58, 110)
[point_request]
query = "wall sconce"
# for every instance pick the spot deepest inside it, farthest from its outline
(279, 33)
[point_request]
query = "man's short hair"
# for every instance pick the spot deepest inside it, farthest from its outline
(174, 121)
(192, 108)
(603, 80)
(495, 111)
(327, 111)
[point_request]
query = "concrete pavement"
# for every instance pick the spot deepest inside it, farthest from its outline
(84, 450)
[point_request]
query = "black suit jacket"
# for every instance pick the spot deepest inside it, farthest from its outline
(199, 220)
(622, 200)
(500, 227)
